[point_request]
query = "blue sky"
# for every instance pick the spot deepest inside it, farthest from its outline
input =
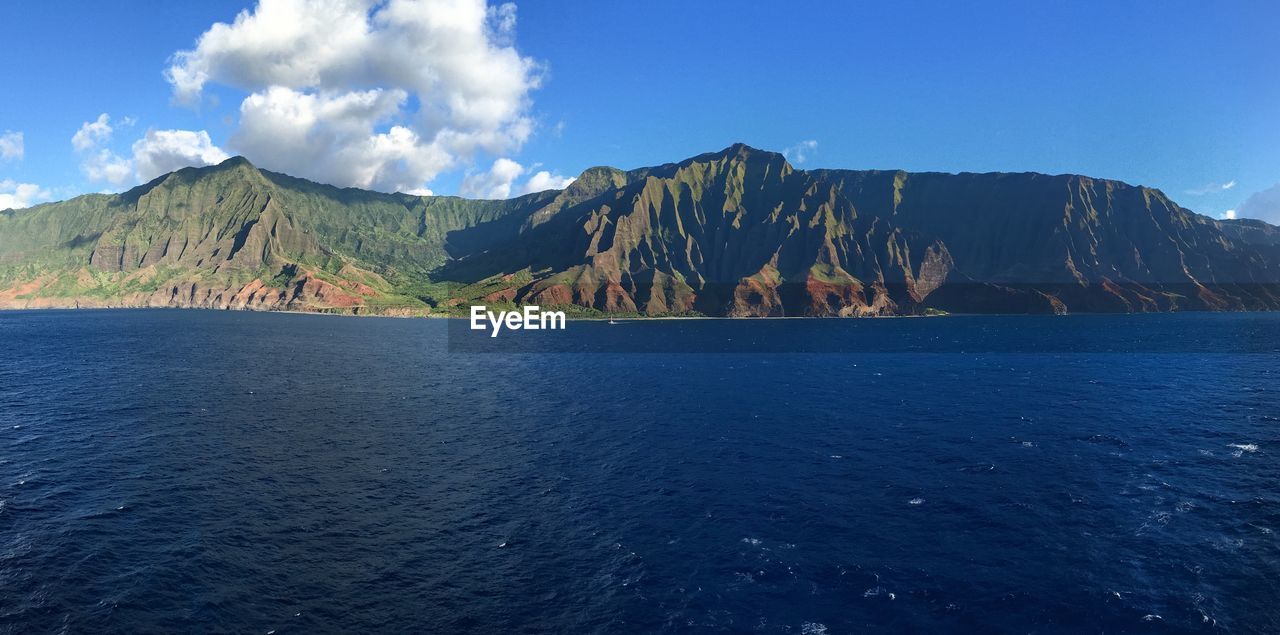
(1177, 95)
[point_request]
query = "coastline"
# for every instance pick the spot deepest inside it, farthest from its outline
(346, 313)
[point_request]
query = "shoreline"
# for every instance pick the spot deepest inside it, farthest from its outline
(603, 318)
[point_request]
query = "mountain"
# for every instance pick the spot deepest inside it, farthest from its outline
(738, 232)
(234, 236)
(742, 233)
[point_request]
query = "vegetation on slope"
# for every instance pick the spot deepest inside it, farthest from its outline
(738, 232)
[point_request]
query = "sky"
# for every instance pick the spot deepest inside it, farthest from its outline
(498, 99)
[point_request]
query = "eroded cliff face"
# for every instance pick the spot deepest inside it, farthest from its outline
(737, 233)
(1082, 244)
(302, 292)
(234, 237)
(733, 233)
(742, 233)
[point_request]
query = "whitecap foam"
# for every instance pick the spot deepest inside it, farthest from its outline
(916, 501)
(1243, 447)
(813, 628)
(754, 542)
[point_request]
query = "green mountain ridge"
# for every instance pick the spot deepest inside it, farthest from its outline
(738, 232)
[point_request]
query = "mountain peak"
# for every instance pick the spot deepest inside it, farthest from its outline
(237, 164)
(595, 180)
(744, 151)
(739, 152)
(234, 167)
(236, 161)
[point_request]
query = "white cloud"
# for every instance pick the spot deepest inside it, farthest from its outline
(1211, 188)
(500, 181)
(100, 163)
(335, 139)
(1264, 205)
(799, 153)
(105, 165)
(11, 146)
(496, 183)
(1228, 215)
(14, 195)
(503, 19)
(163, 151)
(156, 153)
(92, 133)
(380, 94)
(545, 180)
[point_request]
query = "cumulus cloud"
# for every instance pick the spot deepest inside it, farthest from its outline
(105, 165)
(163, 151)
(799, 153)
(1228, 215)
(100, 163)
(495, 183)
(11, 146)
(379, 94)
(544, 180)
(14, 195)
(499, 181)
(335, 139)
(1211, 188)
(156, 153)
(92, 133)
(1264, 205)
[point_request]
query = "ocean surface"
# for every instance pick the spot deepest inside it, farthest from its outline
(198, 471)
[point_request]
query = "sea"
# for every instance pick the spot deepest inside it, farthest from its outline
(239, 472)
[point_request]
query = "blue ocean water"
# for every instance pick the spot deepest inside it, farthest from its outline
(178, 471)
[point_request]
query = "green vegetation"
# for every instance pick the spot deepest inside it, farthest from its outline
(737, 232)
